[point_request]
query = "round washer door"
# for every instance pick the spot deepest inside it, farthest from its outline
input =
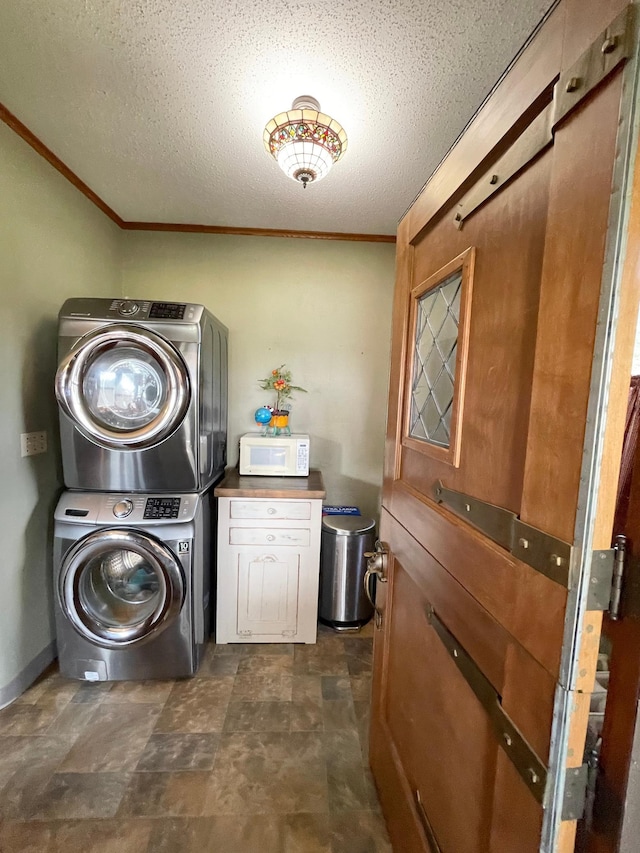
(120, 587)
(124, 387)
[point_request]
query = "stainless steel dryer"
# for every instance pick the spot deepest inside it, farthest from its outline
(142, 392)
(131, 584)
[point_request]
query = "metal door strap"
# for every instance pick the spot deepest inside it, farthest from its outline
(545, 553)
(610, 48)
(531, 769)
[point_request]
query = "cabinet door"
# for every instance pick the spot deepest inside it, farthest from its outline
(268, 587)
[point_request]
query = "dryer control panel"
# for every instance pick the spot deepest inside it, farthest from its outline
(125, 509)
(167, 311)
(141, 310)
(162, 508)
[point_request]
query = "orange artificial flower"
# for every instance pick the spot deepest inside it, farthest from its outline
(280, 382)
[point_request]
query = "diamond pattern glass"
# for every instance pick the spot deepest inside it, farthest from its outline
(434, 364)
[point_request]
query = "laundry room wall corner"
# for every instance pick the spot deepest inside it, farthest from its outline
(53, 244)
(321, 306)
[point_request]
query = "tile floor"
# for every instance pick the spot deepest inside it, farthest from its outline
(264, 751)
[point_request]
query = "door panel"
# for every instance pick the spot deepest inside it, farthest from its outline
(533, 436)
(502, 338)
(574, 257)
(437, 727)
(529, 605)
(515, 829)
(435, 714)
(525, 686)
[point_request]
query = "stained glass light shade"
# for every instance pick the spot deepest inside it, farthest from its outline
(434, 365)
(304, 141)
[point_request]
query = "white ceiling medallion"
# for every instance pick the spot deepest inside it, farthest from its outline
(304, 141)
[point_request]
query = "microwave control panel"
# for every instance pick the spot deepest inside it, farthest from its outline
(302, 457)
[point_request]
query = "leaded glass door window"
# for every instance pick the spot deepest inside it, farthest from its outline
(439, 338)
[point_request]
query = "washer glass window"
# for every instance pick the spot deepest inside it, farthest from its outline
(124, 388)
(120, 588)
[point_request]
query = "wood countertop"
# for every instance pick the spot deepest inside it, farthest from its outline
(236, 486)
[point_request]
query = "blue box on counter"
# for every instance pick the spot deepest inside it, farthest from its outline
(340, 510)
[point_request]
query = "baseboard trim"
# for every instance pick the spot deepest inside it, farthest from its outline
(10, 692)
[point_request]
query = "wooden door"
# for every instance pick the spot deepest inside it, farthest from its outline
(516, 264)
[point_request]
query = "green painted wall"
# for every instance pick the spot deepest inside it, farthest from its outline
(322, 307)
(53, 244)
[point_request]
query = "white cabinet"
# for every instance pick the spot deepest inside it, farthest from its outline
(267, 570)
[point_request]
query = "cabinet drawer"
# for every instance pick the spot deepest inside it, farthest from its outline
(300, 537)
(270, 509)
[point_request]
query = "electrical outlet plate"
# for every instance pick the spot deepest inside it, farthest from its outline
(32, 443)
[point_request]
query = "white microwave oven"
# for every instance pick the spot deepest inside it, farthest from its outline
(274, 456)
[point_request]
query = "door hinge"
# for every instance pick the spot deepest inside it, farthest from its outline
(575, 792)
(609, 588)
(619, 563)
(601, 579)
(624, 582)
(615, 581)
(527, 763)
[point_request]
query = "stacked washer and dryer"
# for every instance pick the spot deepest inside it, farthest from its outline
(142, 393)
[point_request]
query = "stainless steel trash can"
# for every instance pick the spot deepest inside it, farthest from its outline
(343, 603)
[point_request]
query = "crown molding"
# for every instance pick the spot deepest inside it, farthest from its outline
(257, 232)
(40, 148)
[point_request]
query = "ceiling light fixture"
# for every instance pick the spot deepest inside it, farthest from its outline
(305, 142)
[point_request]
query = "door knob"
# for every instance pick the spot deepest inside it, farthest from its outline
(377, 560)
(376, 567)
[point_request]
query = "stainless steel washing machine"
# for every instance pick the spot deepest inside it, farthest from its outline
(131, 584)
(142, 392)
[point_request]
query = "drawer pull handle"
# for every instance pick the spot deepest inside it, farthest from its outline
(270, 537)
(271, 511)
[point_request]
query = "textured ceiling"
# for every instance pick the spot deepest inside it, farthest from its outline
(159, 105)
